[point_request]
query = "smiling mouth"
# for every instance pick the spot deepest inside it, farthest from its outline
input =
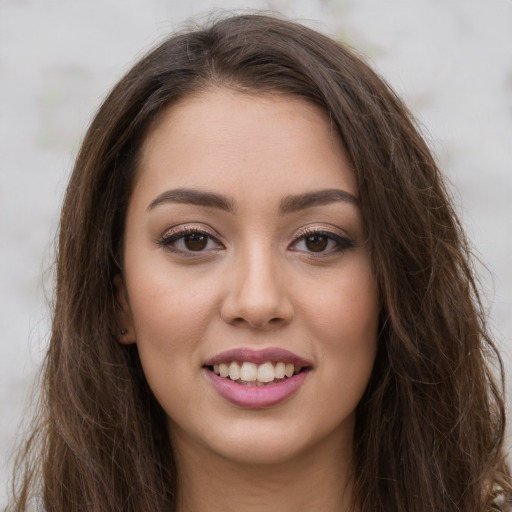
(252, 374)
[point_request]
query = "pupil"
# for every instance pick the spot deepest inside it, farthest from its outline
(316, 243)
(196, 241)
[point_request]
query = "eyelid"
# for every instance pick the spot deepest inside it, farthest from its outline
(342, 239)
(176, 232)
(315, 229)
(184, 229)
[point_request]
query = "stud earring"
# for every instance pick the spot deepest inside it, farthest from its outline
(123, 331)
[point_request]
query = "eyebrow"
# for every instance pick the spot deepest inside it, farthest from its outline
(288, 204)
(298, 202)
(195, 197)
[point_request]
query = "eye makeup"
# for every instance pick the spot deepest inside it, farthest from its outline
(189, 239)
(320, 241)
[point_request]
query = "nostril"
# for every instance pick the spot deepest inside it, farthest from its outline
(256, 300)
(259, 323)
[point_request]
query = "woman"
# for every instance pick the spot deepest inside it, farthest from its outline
(264, 297)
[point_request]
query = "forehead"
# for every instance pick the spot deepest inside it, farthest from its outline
(227, 141)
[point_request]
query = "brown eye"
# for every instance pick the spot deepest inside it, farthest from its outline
(321, 243)
(189, 240)
(316, 243)
(195, 241)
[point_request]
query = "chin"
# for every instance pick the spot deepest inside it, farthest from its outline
(268, 441)
(261, 450)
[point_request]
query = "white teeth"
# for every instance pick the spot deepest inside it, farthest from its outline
(280, 370)
(234, 371)
(256, 375)
(223, 370)
(249, 372)
(266, 372)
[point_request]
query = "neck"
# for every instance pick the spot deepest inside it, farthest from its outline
(316, 480)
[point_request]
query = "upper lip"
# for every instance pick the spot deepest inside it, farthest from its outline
(260, 356)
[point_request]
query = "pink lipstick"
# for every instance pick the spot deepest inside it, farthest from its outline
(257, 378)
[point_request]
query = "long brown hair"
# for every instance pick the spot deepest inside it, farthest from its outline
(429, 430)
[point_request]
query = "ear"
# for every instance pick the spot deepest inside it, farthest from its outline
(126, 329)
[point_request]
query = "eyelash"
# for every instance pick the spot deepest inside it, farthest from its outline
(174, 235)
(342, 243)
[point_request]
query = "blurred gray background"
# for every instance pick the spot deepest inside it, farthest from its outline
(451, 61)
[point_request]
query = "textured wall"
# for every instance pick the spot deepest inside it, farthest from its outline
(451, 61)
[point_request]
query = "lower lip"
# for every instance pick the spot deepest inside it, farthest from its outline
(256, 397)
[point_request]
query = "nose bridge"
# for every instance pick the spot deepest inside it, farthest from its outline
(257, 295)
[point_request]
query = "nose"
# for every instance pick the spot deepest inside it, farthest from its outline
(257, 294)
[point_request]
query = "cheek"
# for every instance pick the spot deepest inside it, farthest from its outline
(349, 304)
(171, 315)
(170, 318)
(161, 296)
(346, 326)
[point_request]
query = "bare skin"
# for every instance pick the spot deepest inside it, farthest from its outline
(244, 234)
(312, 482)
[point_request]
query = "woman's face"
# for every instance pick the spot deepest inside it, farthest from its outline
(247, 283)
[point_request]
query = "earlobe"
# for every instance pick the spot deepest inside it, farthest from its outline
(126, 331)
